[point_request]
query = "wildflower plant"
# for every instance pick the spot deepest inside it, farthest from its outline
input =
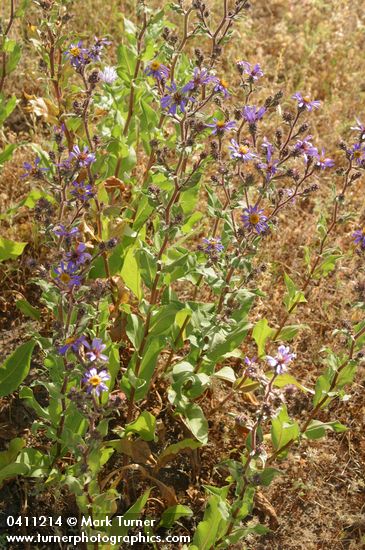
(150, 296)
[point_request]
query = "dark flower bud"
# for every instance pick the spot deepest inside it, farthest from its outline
(112, 243)
(203, 155)
(237, 113)
(342, 145)
(303, 128)
(96, 139)
(288, 116)
(315, 187)
(340, 172)
(94, 77)
(52, 156)
(102, 245)
(356, 176)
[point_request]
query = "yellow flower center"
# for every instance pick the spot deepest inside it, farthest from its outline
(254, 219)
(357, 154)
(306, 99)
(155, 65)
(363, 231)
(220, 123)
(65, 278)
(95, 380)
(243, 149)
(70, 340)
(224, 83)
(75, 51)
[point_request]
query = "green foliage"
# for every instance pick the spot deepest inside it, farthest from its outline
(15, 368)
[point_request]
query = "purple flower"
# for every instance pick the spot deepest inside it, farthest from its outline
(74, 343)
(33, 171)
(94, 52)
(222, 87)
(306, 148)
(359, 128)
(322, 163)
(61, 231)
(212, 245)
(306, 102)
(83, 158)
(281, 360)
(253, 72)
(270, 166)
(241, 152)
(251, 114)
(108, 75)
(78, 256)
(65, 274)
(95, 381)
(359, 237)
(201, 78)
(221, 126)
(254, 219)
(176, 99)
(82, 191)
(357, 153)
(77, 55)
(96, 348)
(157, 70)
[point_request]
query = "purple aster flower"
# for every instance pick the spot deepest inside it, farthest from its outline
(176, 99)
(108, 75)
(94, 52)
(83, 158)
(306, 147)
(359, 237)
(253, 72)
(254, 219)
(201, 77)
(222, 87)
(221, 126)
(74, 343)
(95, 381)
(359, 128)
(251, 114)
(33, 171)
(96, 348)
(241, 151)
(82, 191)
(61, 231)
(306, 102)
(212, 245)
(78, 256)
(65, 274)
(77, 55)
(270, 166)
(357, 153)
(157, 70)
(322, 163)
(281, 360)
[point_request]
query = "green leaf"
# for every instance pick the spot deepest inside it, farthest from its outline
(268, 475)
(289, 332)
(176, 448)
(7, 153)
(317, 429)
(10, 249)
(196, 422)
(286, 379)
(132, 513)
(131, 275)
(27, 309)
(6, 109)
(8, 468)
(173, 513)
(293, 296)
(15, 368)
(261, 333)
(144, 426)
(283, 430)
(223, 342)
